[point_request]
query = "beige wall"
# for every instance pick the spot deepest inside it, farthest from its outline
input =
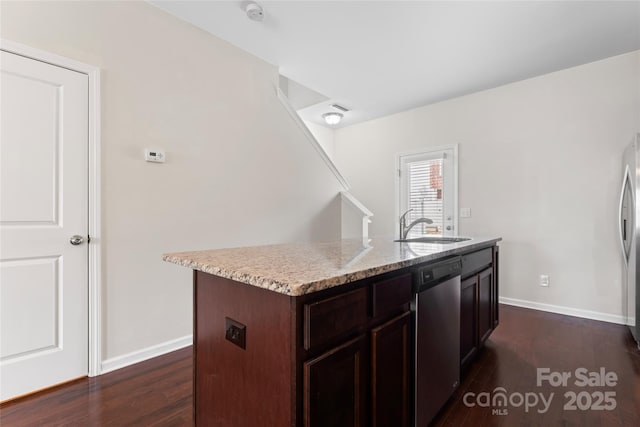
(324, 135)
(239, 171)
(539, 164)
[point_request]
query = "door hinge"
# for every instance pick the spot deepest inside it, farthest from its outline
(399, 173)
(88, 239)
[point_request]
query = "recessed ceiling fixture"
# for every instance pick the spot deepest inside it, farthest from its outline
(254, 11)
(332, 118)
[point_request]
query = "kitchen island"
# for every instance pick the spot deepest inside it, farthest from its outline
(320, 334)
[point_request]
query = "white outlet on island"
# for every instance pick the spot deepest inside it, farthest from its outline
(465, 212)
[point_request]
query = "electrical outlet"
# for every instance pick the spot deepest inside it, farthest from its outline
(465, 212)
(544, 280)
(235, 332)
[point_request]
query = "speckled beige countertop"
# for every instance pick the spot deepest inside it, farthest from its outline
(301, 268)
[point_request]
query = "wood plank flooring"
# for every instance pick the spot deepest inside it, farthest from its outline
(158, 392)
(528, 339)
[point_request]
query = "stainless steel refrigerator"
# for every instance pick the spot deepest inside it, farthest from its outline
(629, 234)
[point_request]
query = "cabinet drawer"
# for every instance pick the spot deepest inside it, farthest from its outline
(333, 318)
(390, 294)
(476, 261)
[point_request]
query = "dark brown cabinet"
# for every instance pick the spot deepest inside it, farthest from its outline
(390, 369)
(333, 319)
(479, 302)
(495, 313)
(340, 357)
(468, 320)
(485, 305)
(334, 386)
(365, 381)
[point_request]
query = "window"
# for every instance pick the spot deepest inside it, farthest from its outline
(428, 186)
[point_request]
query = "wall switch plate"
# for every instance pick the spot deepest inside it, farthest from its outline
(465, 212)
(154, 155)
(544, 280)
(235, 332)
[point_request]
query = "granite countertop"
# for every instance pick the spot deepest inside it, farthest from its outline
(301, 268)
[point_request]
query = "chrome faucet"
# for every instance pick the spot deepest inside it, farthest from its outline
(404, 228)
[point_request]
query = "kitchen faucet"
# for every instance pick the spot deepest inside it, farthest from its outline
(404, 229)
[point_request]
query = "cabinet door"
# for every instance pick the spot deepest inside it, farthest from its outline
(334, 387)
(390, 359)
(485, 304)
(468, 320)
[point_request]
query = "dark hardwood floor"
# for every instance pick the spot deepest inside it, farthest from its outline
(527, 340)
(158, 392)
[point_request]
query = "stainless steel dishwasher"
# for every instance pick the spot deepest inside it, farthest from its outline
(437, 331)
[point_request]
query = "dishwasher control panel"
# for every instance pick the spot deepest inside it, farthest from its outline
(435, 273)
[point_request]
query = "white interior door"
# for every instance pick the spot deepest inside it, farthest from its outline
(43, 203)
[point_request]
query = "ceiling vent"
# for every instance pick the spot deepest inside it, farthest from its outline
(340, 107)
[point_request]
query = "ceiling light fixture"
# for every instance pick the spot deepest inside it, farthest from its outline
(254, 11)
(332, 118)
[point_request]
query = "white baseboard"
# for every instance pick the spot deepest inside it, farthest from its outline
(569, 311)
(141, 355)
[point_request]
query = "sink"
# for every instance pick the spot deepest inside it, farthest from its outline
(434, 239)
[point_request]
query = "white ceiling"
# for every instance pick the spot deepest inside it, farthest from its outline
(382, 57)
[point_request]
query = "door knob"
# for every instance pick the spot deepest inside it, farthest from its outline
(76, 240)
(449, 227)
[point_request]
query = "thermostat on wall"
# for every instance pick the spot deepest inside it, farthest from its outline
(154, 155)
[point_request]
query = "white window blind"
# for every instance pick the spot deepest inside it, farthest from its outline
(425, 195)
